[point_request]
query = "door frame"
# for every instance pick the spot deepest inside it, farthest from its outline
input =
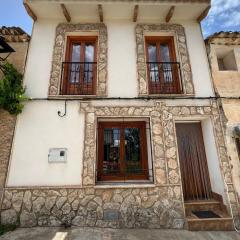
(186, 121)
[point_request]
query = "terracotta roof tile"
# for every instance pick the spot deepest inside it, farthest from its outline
(224, 38)
(14, 34)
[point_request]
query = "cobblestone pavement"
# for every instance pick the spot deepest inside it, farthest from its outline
(52, 233)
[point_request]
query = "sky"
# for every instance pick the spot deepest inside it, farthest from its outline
(223, 16)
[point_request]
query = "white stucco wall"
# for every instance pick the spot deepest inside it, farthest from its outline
(39, 61)
(38, 129)
(216, 178)
(198, 59)
(122, 68)
(122, 71)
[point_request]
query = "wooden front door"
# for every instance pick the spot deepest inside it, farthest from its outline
(193, 162)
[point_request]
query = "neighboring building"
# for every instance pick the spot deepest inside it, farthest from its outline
(224, 57)
(123, 129)
(18, 40)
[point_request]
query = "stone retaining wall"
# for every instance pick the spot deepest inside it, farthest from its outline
(158, 207)
(7, 125)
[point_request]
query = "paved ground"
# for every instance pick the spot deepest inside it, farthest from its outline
(113, 234)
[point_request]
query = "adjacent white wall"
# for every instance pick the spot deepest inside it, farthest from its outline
(39, 61)
(38, 129)
(216, 178)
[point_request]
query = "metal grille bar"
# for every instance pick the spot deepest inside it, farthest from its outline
(78, 78)
(164, 77)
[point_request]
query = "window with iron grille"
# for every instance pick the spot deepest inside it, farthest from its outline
(122, 151)
(164, 76)
(79, 71)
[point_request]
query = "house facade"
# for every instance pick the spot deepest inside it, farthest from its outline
(123, 129)
(224, 56)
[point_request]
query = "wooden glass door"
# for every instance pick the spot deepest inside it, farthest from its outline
(80, 66)
(193, 162)
(162, 66)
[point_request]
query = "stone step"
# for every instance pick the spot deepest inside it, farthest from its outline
(204, 205)
(224, 223)
(210, 224)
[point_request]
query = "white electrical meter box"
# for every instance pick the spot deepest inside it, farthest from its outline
(57, 155)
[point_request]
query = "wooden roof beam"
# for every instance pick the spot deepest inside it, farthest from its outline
(100, 12)
(30, 11)
(135, 13)
(203, 14)
(65, 12)
(170, 13)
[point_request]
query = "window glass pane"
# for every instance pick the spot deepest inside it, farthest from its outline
(89, 52)
(111, 162)
(164, 51)
(153, 66)
(88, 66)
(152, 53)
(167, 68)
(132, 150)
(75, 72)
(75, 66)
(76, 50)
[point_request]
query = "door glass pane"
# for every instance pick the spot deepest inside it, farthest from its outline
(88, 66)
(132, 150)
(75, 66)
(153, 66)
(166, 66)
(111, 163)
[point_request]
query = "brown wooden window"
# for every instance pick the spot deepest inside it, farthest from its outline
(122, 151)
(79, 71)
(163, 70)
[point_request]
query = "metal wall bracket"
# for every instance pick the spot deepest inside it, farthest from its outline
(65, 110)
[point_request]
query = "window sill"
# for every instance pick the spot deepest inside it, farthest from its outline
(167, 94)
(72, 97)
(162, 95)
(228, 71)
(125, 184)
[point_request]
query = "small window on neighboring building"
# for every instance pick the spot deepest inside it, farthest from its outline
(122, 151)
(226, 60)
(79, 71)
(163, 70)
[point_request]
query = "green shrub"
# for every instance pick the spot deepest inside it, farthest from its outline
(11, 90)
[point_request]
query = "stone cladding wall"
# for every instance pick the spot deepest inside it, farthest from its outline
(7, 125)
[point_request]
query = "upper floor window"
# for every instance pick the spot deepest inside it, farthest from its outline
(79, 71)
(163, 69)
